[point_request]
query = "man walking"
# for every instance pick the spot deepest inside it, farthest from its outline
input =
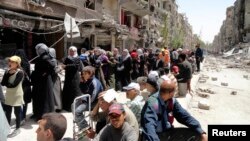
(198, 56)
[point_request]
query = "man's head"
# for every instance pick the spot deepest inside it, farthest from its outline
(97, 51)
(182, 57)
(157, 55)
(175, 70)
(83, 50)
(197, 46)
(152, 85)
(132, 90)
(106, 99)
(166, 70)
(167, 89)
(52, 127)
(115, 51)
(87, 73)
(142, 81)
(150, 50)
(117, 115)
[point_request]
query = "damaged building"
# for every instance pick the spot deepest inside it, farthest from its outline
(103, 23)
(235, 29)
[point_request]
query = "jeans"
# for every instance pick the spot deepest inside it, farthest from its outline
(79, 116)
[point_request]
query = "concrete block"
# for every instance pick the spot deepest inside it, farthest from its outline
(214, 78)
(245, 76)
(204, 104)
(202, 94)
(234, 93)
(205, 76)
(224, 84)
(202, 80)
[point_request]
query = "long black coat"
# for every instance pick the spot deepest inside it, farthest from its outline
(42, 92)
(72, 80)
(124, 73)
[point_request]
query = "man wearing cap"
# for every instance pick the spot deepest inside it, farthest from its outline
(105, 100)
(118, 129)
(158, 116)
(137, 102)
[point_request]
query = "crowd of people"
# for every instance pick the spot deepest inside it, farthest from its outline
(152, 79)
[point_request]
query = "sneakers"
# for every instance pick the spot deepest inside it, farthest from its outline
(22, 122)
(14, 133)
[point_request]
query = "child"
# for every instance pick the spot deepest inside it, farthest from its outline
(12, 79)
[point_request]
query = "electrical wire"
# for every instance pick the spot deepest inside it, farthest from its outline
(39, 33)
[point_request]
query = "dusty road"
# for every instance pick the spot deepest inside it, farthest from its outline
(230, 104)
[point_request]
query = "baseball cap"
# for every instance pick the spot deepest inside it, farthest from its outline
(116, 108)
(175, 69)
(15, 59)
(131, 86)
(109, 95)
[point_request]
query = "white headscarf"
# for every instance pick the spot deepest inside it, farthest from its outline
(52, 52)
(126, 56)
(41, 48)
(73, 48)
(139, 52)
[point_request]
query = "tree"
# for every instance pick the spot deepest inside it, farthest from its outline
(165, 31)
(178, 38)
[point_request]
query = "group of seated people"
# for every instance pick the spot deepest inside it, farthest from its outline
(148, 115)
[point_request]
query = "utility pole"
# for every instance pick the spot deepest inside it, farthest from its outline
(71, 32)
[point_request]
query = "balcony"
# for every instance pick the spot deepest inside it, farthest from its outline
(138, 7)
(70, 3)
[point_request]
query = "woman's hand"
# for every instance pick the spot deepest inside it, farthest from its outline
(12, 71)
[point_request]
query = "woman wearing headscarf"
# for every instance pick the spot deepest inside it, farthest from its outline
(72, 66)
(41, 79)
(124, 68)
(141, 62)
(56, 81)
(135, 65)
(26, 81)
